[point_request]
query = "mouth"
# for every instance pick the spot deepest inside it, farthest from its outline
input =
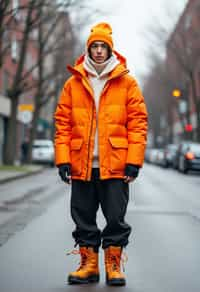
(99, 58)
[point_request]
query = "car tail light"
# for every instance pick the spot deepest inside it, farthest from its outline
(189, 155)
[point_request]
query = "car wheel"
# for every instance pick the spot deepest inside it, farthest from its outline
(180, 165)
(185, 169)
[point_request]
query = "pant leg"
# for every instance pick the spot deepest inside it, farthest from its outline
(114, 197)
(84, 206)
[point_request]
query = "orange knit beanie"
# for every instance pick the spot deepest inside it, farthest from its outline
(101, 32)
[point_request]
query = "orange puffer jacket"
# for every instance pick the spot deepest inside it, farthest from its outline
(122, 123)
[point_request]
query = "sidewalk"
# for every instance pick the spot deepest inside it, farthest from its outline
(10, 173)
(10, 197)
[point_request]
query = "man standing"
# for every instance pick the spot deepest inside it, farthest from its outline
(101, 126)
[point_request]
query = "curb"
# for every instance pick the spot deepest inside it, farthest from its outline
(27, 196)
(22, 175)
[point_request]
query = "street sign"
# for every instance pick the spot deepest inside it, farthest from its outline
(182, 106)
(25, 116)
(26, 107)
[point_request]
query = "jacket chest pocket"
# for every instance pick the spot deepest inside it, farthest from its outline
(76, 160)
(118, 153)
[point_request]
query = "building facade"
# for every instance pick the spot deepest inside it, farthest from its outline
(13, 33)
(183, 61)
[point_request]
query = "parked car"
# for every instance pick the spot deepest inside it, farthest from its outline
(147, 155)
(180, 147)
(160, 157)
(43, 152)
(169, 154)
(153, 156)
(187, 156)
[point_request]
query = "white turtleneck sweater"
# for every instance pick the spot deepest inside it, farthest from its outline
(98, 75)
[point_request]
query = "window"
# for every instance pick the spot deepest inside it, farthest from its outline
(6, 39)
(16, 9)
(29, 61)
(188, 20)
(14, 50)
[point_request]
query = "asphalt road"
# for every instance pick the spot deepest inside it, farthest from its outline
(163, 254)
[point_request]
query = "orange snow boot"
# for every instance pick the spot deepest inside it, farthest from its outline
(114, 276)
(88, 271)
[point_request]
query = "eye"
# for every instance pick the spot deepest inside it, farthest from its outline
(94, 46)
(104, 46)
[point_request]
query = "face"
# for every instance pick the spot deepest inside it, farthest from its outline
(99, 52)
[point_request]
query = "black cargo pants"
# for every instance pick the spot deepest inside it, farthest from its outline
(112, 195)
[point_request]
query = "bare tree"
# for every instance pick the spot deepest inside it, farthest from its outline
(15, 90)
(179, 51)
(49, 48)
(3, 10)
(8, 18)
(184, 45)
(55, 45)
(43, 16)
(156, 88)
(162, 105)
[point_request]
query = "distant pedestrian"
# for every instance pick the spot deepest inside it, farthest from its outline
(101, 127)
(24, 151)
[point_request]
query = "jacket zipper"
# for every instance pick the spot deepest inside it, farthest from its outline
(90, 133)
(91, 126)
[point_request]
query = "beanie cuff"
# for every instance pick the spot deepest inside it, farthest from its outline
(99, 38)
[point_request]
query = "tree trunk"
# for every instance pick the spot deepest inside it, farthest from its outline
(39, 92)
(9, 155)
(33, 130)
(170, 125)
(197, 106)
(3, 7)
(14, 93)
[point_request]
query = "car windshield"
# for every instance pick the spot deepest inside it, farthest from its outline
(172, 148)
(195, 147)
(41, 146)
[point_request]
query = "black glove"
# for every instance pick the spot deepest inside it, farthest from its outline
(131, 170)
(64, 170)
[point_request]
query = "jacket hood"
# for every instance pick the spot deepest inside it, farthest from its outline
(79, 63)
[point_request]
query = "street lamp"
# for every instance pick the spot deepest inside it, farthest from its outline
(183, 109)
(176, 93)
(182, 103)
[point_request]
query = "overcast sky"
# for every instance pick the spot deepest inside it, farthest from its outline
(130, 19)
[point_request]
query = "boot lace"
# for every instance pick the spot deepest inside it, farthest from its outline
(115, 261)
(84, 257)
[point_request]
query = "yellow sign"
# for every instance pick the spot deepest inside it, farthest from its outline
(26, 107)
(176, 93)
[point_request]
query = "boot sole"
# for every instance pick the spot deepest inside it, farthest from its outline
(116, 282)
(78, 280)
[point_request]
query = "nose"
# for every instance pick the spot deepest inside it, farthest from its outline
(99, 49)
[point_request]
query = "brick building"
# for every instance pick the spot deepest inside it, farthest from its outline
(12, 39)
(183, 61)
(11, 44)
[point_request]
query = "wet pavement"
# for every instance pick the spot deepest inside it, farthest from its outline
(163, 253)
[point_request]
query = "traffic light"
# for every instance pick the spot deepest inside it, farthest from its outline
(176, 93)
(188, 128)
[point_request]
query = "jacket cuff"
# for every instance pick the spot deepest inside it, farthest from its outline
(132, 170)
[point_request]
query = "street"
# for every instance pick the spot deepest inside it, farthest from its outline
(163, 254)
